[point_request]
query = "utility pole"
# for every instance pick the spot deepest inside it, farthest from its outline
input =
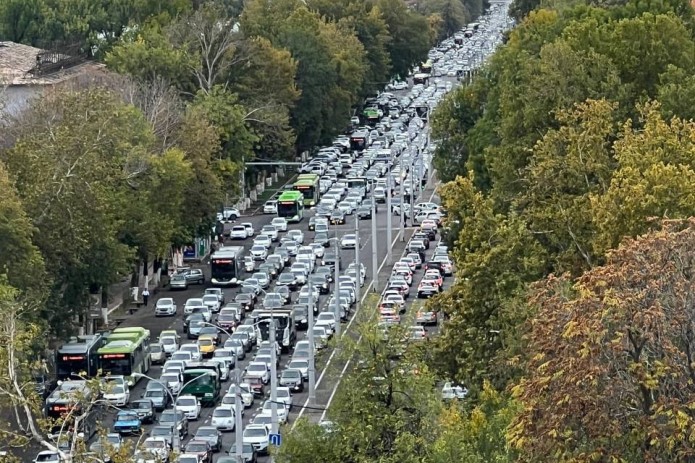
(410, 171)
(336, 298)
(273, 376)
(357, 262)
(312, 362)
(238, 423)
(389, 213)
(375, 270)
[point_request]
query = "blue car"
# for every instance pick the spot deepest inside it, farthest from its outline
(127, 422)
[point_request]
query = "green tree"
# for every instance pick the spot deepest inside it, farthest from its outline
(20, 260)
(77, 155)
(676, 91)
(21, 21)
(409, 31)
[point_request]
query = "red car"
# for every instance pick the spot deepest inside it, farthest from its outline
(200, 448)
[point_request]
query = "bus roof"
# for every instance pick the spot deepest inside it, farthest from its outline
(81, 344)
(118, 347)
(132, 329)
(227, 252)
(291, 196)
(307, 177)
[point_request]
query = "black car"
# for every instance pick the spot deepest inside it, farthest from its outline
(300, 313)
(321, 211)
(246, 300)
(312, 223)
(320, 282)
(424, 237)
(364, 212)
(323, 239)
(145, 410)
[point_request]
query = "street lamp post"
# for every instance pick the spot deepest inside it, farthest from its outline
(273, 371)
(375, 269)
(312, 369)
(357, 262)
(238, 423)
(389, 214)
(336, 297)
(403, 203)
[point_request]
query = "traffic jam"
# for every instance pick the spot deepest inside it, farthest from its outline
(233, 366)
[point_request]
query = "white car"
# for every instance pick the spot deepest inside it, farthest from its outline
(247, 397)
(172, 380)
(117, 395)
(271, 231)
(318, 249)
(249, 229)
(213, 302)
(185, 356)
(194, 349)
(284, 395)
(263, 240)
(223, 418)
(165, 307)
(348, 241)
(281, 411)
(257, 435)
(297, 236)
(259, 252)
(326, 320)
(154, 449)
(189, 406)
(191, 304)
(238, 232)
(258, 370)
(270, 207)
(169, 344)
(48, 456)
(280, 223)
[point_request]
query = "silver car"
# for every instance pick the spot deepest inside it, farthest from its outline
(165, 307)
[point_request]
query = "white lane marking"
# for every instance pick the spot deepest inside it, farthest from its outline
(330, 358)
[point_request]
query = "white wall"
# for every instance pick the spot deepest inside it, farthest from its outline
(16, 98)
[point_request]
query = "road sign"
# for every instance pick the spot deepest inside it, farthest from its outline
(275, 439)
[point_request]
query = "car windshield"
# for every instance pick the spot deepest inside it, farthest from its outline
(196, 447)
(117, 390)
(161, 431)
(205, 342)
(142, 405)
(299, 364)
(154, 348)
(154, 444)
(222, 412)
(207, 432)
(291, 374)
(170, 378)
(154, 393)
(255, 432)
(168, 341)
(186, 401)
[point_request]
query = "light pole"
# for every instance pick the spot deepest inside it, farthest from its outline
(312, 365)
(176, 438)
(273, 371)
(336, 301)
(389, 214)
(403, 202)
(357, 262)
(238, 423)
(375, 270)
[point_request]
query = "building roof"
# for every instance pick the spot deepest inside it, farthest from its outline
(18, 65)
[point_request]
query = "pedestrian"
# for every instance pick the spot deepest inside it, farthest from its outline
(145, 296)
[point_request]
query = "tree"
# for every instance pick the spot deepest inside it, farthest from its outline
(20, 260)
(409, 35)
(676, 89)
(21, 21)
(656, 163)
(610, 368)
(76, 156)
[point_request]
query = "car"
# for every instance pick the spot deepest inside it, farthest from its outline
(212, 332)
(165, 432)
(193, 349)
(270, 231)
(248, 454)
(176, 419)
(302, 366)
(188, 458)
(212, 301)
(417, 333)
(280, 223)
(426, 316)
(348, 241)
(211, 435)
(228, 213)
(258, 370)
(292, 379)
(157, 354)
(270, 207)
(281, 411)
(297, 236)
(117, 395)
(249, 229)
(364, 212)
(127, 422)
(178, 281)
(453, 391)
(165, 307)
(337, 217)
(48, 456)
(189, 405)
(106, 446)
(427, 289)
(154, 449)
(238, 232)
(257, 435)
(145, 410)
(223, 417)
(263, 240)
(201, 448)
(193, 275)
(207, 346)
(259, 252)
(159, 397)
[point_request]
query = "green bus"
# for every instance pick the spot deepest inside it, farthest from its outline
(202, 380)
(308, 184)
(127, 351)
(291, 206)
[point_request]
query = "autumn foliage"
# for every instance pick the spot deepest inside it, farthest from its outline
(611, 374)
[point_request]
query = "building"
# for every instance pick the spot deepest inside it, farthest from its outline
(27, 72)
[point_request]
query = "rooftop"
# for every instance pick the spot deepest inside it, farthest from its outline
(25, 65)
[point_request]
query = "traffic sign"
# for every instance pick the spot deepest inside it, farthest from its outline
(275, 439)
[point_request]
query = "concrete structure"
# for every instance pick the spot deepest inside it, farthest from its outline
(27, 72)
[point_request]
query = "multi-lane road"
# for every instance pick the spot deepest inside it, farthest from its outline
(328, 372)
